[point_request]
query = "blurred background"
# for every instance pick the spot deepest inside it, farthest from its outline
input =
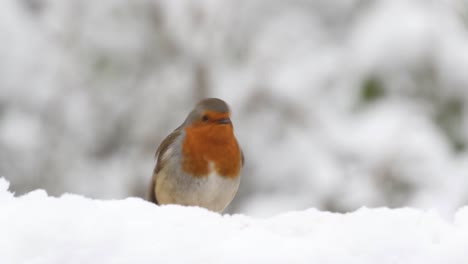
(337, 104)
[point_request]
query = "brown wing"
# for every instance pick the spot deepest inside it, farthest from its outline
(243, 158)
(159, 162)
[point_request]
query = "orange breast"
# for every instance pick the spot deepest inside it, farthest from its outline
(211, 143)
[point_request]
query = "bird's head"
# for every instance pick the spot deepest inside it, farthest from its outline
(208, 113)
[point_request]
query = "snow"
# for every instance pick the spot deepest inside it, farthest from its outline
(37, 228)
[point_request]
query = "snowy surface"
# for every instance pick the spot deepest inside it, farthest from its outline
(37, 228)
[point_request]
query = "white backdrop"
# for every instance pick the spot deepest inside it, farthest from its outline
(337, 104)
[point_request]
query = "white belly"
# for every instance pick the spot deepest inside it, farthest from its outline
(213, 192)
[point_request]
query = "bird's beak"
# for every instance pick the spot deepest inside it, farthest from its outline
(224, 121)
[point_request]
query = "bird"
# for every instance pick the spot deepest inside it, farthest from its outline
(200, 162)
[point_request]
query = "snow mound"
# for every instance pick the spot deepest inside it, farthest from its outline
(4, 193)
(37, 228)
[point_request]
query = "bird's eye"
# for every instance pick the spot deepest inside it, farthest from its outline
(205, 118)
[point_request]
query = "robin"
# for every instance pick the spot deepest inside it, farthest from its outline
(200, 163)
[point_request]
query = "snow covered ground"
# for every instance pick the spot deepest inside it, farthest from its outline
(37, 228)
